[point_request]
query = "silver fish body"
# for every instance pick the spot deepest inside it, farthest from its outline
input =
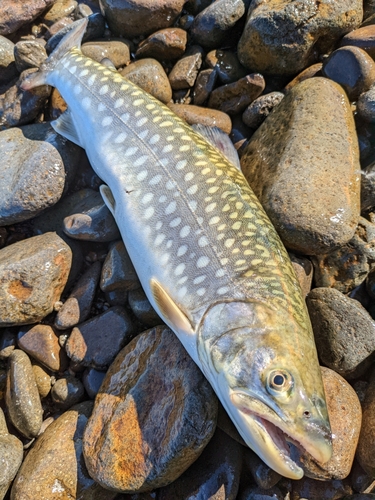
(206, 253)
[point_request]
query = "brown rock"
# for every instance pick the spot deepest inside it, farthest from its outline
(185, 71)
(205, 116)
(169, 43)
(29, 54)
(14, 14)
(117, 51)
(152, 418)
(60, 9)
(366, 444)
(226, 64)
(204, 85)
(118, 272)
(11, 453)
(310, 72)
(364, 38)
(67, 391)
(304, 272)
(57, 105)
(42, 379)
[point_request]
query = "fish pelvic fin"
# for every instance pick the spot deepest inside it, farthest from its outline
(108, 198)
(70, 40)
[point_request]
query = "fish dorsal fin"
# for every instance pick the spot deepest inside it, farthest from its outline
(108, 198)
(169, 310)
(64, 126)
(219, 140)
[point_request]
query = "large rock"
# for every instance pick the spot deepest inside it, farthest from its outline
(14, 14)
(284, 37)
(303, 165)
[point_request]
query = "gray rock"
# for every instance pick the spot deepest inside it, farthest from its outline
(366, 106)
(264, 477)
(33, 274)
(67, 391)
(255, 114)
(142, 309)
(8, 69)
(118, 272)
(92, 380)
(29, 54)
(37, 165)
(22, 396)
(13, 14)
(11, 453)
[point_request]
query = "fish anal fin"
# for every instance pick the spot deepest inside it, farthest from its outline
(219, 140)
(64, 126)
(108, 198)
(169, 310)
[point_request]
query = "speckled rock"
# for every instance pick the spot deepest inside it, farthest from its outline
(363, 38)
(205, 116)
(304, 272)
(112, 329)
(255, 114)
(347, 267)
(33, 274)
(149, 74)
(152, 418)
(366, 106)
(234, 97)
(60, 9)
(213, 25)
(47, 162)
(286, 160)
(22, 396)
(204, 85)
(283, 37)
(142, 309)
(116, 50)
(55, 463)
(11, 453)
(29, 54)
(344, 331)
(140, 17)
(185, 71)
(226, 64)
(169, 43)
(42, 380)
(310, 72)
(366, 444)
(67, 391)
(8, 69)
(13, 14)
(78, 305)
(214, 476)
(118, 271)
(92, 380)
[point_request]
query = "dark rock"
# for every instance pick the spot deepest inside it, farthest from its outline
(142, 309)
(204, 85)
(29, 54)
(67, 391)
(169, 43)
(226, 64)
(92, 380)
(118, 272)
(255, 114)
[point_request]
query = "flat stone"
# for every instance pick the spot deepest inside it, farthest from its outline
(234, 97)
(149, 74)
(312, 202)
(255, 114)
(185, 71)
(205, 116)
(112, 329)
(22, 396)
(29, 54)
(42, 344)
(67, 391)
(142, 309)
(8, 69)
(152, 418)
(13, 14)
(204, 85)
(344, 332)
(116, 50)
(55, 463)
(140, 17)
(169, 43)
(226, 64)
(281, 38)
(363, 37)
(118, 272)
(77, 307)
(33, 274)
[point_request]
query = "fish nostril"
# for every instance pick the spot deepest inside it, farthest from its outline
(306, 414)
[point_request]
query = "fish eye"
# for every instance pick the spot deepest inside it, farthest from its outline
(279, 381)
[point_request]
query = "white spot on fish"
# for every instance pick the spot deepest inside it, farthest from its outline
(154, 139)
(169, 243)
(137, 102)
(142, 121)
(199, 279)
(101, 107)
(175, 222)
(131, 151)
(86, 102)
(203, 261)
(167, 149)
(73, 69)
(159, 239)
(181, 164)
(91, 80)
(140, 161)
(84, 72)
(182, 250)
(185, 147)
(224, 261)
(107, 121)
(182, 280)
(229, 242)
(222, 290)
(164, 258)
(220, 273)
(203, 241)
(214, 220)
(155, 180)
(141, 176)
(162, 198)
(182, 292)
(158, 225)
(193, 204)
(103, 90)
(142, 135)
(237, 225)
(185, 231)
(210, 207)
(213, 189)
(201, 291)
(147, 198)
(121, 137)
(148, 213)
(179, 269)
(119, 102)
(77, 89)
(192, 189)
(125, 117)
(189, 176)
(171, 207)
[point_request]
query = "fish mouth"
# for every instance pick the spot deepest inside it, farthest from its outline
(266, 433)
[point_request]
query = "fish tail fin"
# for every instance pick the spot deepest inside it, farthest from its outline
(72, 39)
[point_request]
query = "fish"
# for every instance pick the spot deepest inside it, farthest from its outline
(208, 257)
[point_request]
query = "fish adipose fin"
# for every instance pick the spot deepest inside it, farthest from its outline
(108, 198)
(219, 140)
(64, 126)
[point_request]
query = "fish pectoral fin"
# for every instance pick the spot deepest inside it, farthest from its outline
(108, 198)
(219, 140)
(64, 126)
(169, 310)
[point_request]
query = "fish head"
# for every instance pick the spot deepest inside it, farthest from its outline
(268, 378)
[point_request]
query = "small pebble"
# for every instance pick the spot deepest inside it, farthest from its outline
(255, 114)
(169, 43)
(205, 116)
(118, 272)
(204, 85)
(226, 64)
(29, 54)
(142, 309)
(185, 71)
(67, 391)
(60, 9)
(117, 51)
(92, 380)
(42, 379)
(366, 106)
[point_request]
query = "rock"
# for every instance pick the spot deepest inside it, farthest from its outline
(286, 160)
(118, 272)
(347, 267)
(11, 452)
(41, 343)
(142, 309)
(33, 274)
(152, 418)
(204, 85)
(284, 38)
(363, 37)
(366, 106)
(310, 72)
(91, 220)
(257, 493)
(67, 391)
(77, 307)
(359, 73)
(42, 380)
(205, 116)
(304, 272)
(234, 97)
(149, 74)
(57, 105)
(8, 342)
(311, 489)
(240, 134)
(55, 463)
(344, 332)
(18, 107)
(169, 43)
(255, 114)
(213, 25)
(92, 380)
(22, 396)
(8, 69)
(264, 477)
(214, 476)
(29, 54)
(345, 414)
(112, 329)
(47, 161)
(366, 449)
(226, 64)
(60, 9)
(140, 17)
(185, 71)
(116, 50)
(60, 25)
(13, 15)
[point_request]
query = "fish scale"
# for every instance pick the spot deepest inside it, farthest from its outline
(209, 259)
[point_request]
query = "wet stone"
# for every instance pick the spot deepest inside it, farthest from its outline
(213, 25)
(204, 85)
(263, 475)
(366, 106)
(310, 72)
(42, 344)
(363, 37)
(240, 134)
(91, 220)
(226, 64)
(112, 329)
(118, 272)
(42, 379)
(304, 272)
(55, 463)
(185, 71)
(152, 418)
(60, 9)
(13, 14)
(8, 69)
(11, 453)
(359, 73)
(117, 51)
(205, 116)
(60, 25)
(149, 74)
(282, 39)
(286, 160)
(255, 114)
(78, 305)
(142, 309)
(33, 274)
(214, 476)
(22, 396)
(234, 97)
(92, 380)
(29, 54)
(169, 43)
(67, 391)
(312, 489)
